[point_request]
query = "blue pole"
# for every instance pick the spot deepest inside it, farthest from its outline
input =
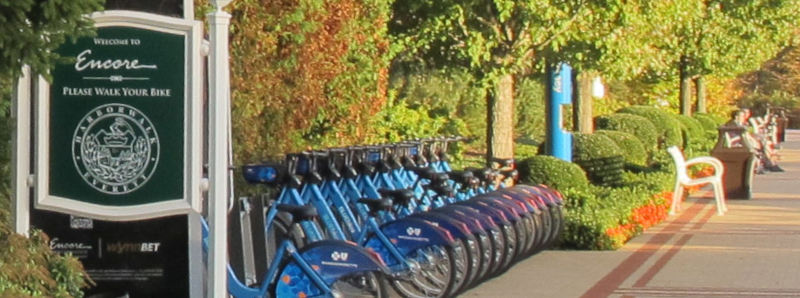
(559, 141)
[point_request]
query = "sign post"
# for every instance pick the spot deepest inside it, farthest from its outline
(219, 126)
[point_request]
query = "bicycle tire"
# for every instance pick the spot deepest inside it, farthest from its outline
(422, 280)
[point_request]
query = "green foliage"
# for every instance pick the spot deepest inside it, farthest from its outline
(448, 93)
(27, 265)
(529, 109)
(653, 181)
(709, 122)
(667, 126)
(697, 141)
(525, 150)
(600, 157)
(630, 146)
(551, 171)
(398, 122)
(758, 102)
(496, 37)
(633, 124)
(29, 34)
(25, 22)
(594, 211)
(29, 268)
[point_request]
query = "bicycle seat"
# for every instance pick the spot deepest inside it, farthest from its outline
(442, 189)
(430, 174)
(513, 174)
(377, 204)
(399, 196)
(462, 177)
(483, 174)
(366, 169)
(299, 213)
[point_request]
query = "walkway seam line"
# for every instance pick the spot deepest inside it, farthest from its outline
(609, 283)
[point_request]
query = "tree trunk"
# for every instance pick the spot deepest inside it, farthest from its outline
(685, 95)
(700, 84)
(582, 103)
(500, 118)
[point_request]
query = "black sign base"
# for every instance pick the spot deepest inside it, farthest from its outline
(147, 258)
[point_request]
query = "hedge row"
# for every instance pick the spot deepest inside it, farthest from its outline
(619, 182)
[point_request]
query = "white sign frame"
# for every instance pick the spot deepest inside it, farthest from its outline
(193, 137)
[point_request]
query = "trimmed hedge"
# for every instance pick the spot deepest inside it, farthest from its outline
(553, 172)
(636, 125)
(602, 218)
(696, 141)
(708, 121)
(600, 157)
(668, 127)
(632, 149)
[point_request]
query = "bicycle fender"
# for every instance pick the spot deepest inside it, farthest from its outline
(530, 201)
(473, 224)
(552, 196)
(457, 229)
(511, 210)
(497, 215)
(486, 222)
(331, 260)
(410, 233)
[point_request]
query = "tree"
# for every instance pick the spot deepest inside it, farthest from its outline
(31, 30)
(500, 39)
(717, 37)
(305, 73)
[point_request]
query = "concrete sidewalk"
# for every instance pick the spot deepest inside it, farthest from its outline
(752, 251)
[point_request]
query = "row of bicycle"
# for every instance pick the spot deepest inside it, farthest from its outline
(356, 221)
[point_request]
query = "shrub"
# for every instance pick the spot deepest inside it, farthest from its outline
(696, 141)
(603, 218)
(600, 157)
(27, 265)
(29, 268)
(525, 150)
(632, 148)
(556, 173)
(708, 121)
(667, 126)
(633, 124)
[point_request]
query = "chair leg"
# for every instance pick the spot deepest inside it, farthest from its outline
(722, 197)
(677, 196)
(719, 198)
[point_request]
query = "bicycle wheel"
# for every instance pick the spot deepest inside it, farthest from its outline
(432, 274)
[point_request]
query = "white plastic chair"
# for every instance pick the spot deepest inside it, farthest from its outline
(683, 180)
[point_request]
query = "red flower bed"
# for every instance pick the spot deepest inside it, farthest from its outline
(641, 219)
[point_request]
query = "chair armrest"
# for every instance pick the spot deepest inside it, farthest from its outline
(713, 161)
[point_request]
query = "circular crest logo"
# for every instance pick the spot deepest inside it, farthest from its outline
(115, 148)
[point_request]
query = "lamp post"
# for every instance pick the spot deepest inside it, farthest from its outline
(219, 123)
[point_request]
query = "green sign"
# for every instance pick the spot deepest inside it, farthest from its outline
(117, 120)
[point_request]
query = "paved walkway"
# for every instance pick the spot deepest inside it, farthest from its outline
(752, 251)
